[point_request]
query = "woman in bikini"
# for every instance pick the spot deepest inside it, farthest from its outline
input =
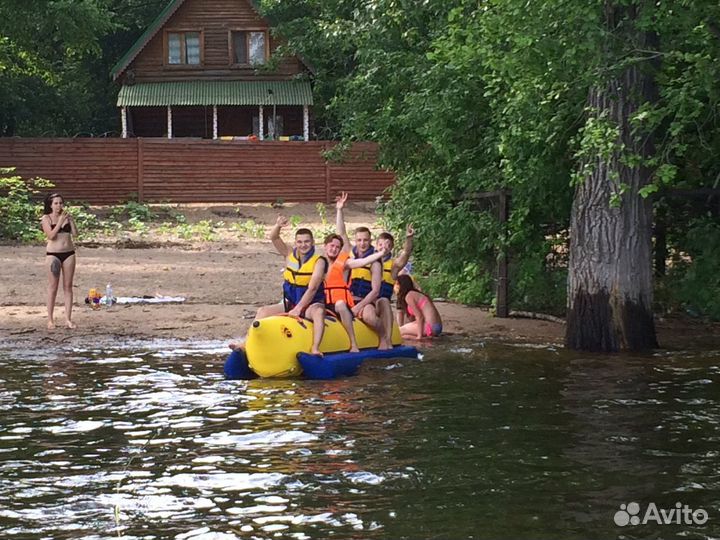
(425, 319)
(59, 229)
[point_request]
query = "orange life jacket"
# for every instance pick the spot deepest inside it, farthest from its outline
(336, 287)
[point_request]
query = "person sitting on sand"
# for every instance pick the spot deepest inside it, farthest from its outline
(59, 228)
(303, 290)
(425, 318)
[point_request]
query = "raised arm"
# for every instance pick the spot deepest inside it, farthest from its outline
(402, 259)
(357, 263)
(278, 242)
(340, 220)
(315, 281)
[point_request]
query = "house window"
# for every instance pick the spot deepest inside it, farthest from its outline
(183, 48)
(248, 47)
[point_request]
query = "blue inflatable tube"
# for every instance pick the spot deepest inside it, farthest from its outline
(330, 366)
(237, 367)
(334, 365)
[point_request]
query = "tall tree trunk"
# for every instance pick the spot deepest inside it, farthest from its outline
(610, 283)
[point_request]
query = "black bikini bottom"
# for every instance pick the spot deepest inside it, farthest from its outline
(61, 256)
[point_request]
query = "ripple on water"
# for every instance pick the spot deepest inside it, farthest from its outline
(403, 447)
(258, 439)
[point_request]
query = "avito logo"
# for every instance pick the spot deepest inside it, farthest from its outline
(682, 514)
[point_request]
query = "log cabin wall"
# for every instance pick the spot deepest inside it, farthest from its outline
(107, 171)
(215, 20)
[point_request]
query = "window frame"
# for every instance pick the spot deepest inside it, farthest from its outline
(183, 48)
(247, 31)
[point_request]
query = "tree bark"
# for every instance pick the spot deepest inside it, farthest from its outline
(610, 282)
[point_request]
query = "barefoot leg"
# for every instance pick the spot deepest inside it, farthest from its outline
(385, 314)
(68, 273)
(341, 308)
(53, 267)
(317, 313)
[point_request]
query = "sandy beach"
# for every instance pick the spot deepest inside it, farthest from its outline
(223, 282)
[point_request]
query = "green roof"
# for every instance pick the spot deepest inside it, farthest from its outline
(216, 93)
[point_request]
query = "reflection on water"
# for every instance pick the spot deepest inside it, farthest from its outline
(474, 441)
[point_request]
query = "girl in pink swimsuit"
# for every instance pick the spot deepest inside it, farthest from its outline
(425, 320)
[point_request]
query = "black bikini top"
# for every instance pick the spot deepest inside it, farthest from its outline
(65, 228)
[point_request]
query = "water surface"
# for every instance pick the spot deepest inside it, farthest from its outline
(476, 440)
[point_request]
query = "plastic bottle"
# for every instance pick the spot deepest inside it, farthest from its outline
(109, 295)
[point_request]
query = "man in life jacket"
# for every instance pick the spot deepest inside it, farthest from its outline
(370, 285)
(303, 290)
(338, 298)
(391, 267)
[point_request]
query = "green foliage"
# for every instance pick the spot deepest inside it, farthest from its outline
(693, 280)
(325, 228)
(55, 57)
(88, 223)
(19, 214)
(539, 281)
(133, 211)
(467, 98)
(250, 228)
(205, 229)
(202, 230)
(138, 226)
(47, 87)
(322, 212)
(322, 232)
(295, 220)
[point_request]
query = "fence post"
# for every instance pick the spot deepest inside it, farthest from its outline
(140, 170)
(501, 296)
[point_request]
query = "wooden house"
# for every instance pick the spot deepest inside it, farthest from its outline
(206, 69)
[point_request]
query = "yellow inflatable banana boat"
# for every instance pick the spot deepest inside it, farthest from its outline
(273, 343)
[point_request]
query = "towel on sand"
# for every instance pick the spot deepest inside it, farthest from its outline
(149, 299)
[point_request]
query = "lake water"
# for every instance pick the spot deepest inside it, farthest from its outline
(476, 440)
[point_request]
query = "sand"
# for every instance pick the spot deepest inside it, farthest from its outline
(224, 281)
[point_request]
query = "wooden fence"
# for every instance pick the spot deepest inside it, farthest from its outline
(105, 171)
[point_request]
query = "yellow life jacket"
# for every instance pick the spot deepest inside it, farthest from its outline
(386, 287)
(361, 278)
(297, 277)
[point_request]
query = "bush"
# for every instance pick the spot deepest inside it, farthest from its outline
(693, 280)
(133, 211)
(19, 214)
